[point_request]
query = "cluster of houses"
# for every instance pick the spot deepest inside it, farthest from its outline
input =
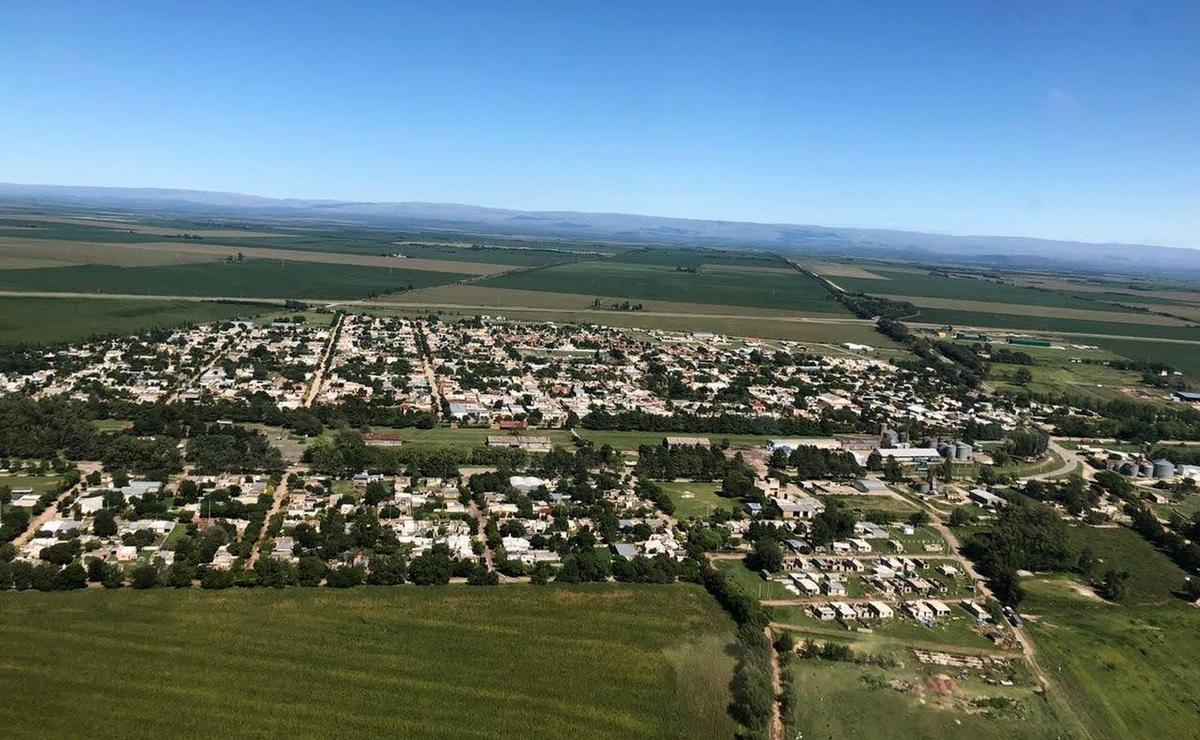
(227, 360)
(378, 359)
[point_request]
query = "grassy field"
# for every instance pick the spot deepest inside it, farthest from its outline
(632, 440)
(39, 483)
(1052, 324)
(1127, 670)
(251, 278)
(843, 700)
(794, 291)
(521, 662)
(42, 320)
(701, 502)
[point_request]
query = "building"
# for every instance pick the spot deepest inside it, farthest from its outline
(910, 454)
(805, 508)
(788, 445)
(1187, 396)
(686, 442)
(986, 498)
(529, 444)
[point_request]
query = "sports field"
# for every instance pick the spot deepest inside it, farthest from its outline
(46, 320)
(596, 661)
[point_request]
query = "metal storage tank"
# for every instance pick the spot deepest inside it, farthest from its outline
(923, 487)
(1146, 468)
(891, 438)
(963, 451)
(945, 450)
(1163, 468)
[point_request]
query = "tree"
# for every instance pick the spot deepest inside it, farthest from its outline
(71, 577)
(1022, 376)
(432, 567)
(918, 518)
(541, 574)
(310, 571)
(144, 576)
(1114, 586)
(874, 461)
(345, 576)
(767, 555)
(834, 523)
(960, 517)
(103, 525)
(892, 472)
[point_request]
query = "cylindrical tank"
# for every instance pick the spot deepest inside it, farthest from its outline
(1163, 468)
(891, 438)
(1127, 468)
(923, 487)
(1146, 469)
(945, 449)
(962, 451)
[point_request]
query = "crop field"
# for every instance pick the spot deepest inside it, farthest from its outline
(511, 662)
(1053, 324)
(619, 279)
(249, 279)
(48, 320)
(1183, 357)
(1127, 669)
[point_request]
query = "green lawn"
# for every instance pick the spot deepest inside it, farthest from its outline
(253, 278)
(465, 438)
(702, 501)
(595, 661)
(48, 320)
(39, 483)
(622, 440)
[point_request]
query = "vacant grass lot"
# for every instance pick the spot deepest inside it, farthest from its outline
(511, 662)
(42, 320)
(697, 499)
(250, 279)
(794, 291)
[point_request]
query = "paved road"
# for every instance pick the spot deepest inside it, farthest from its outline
(51, 511)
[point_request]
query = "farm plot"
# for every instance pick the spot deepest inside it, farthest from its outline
(248, 279)
(792, 291)
(50, 320)
(516, 661)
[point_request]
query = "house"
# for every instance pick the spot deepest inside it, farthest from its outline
(938, 608)
(529, 444)
(975, 610)
(686, 442)
(805, 508)
(879, 610)
(284, 547)
(919, 611)
(835, 588)
(823, 612)
(844, 610)
(626, 550)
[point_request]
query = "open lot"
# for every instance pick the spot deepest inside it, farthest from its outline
(696, 498)
(45, 320)
(586, 662)
(1123, 668)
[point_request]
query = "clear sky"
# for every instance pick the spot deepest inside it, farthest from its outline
(1043, 118)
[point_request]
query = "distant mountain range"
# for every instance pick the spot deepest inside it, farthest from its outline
(999, 251)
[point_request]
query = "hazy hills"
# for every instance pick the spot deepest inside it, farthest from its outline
(1000, 251)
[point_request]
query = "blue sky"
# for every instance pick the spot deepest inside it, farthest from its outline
(1050, 118)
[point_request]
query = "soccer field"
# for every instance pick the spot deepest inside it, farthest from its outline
(456, 661)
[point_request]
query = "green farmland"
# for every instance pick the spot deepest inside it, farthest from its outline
(728, 286)
(249, 279)
(512, 662)
(48, 320)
